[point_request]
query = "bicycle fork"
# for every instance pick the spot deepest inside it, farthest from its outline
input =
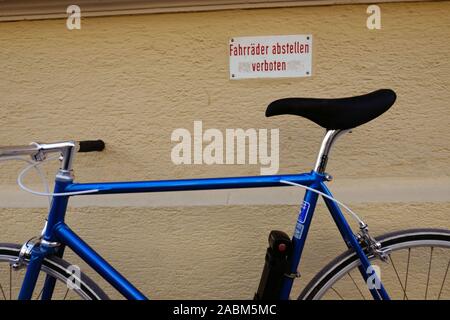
(38, 255)
(44, 246)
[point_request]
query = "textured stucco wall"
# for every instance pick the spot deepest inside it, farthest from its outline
(132, 80)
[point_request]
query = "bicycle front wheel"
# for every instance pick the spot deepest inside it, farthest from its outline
(11, 278)
(417, 268)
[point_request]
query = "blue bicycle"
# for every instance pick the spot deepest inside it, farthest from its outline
(409, 264)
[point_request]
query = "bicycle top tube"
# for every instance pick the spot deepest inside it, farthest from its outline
(196, 184)
(39, 152)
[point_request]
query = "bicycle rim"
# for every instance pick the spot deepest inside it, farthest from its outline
(345, 268)
(11, 279)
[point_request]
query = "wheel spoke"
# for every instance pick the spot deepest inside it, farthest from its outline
(398, 277)
(40, 293)
(407, 272)
(429, 272)
(3, 292)
(10, 282)
(335, 291)
(443, 280)
(359, 290)
(65, 296)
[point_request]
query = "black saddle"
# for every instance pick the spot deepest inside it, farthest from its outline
(333, 114)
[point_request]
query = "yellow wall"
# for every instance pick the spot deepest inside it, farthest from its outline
(132, 80)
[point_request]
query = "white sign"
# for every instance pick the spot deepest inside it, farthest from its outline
(270, 57)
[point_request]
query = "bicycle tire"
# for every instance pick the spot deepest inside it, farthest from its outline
(348, 260)
(57, 268)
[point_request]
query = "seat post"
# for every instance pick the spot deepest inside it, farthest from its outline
(327, 142)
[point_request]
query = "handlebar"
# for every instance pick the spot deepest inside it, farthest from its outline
(18, 151)
(39, 151)
(91, 145)
(34, 148)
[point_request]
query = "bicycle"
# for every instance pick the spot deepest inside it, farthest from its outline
(44, 254)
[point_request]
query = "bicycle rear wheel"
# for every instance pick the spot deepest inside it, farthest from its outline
(417, 268)
(11, 278)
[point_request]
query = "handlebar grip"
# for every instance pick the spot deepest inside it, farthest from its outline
(91, 145)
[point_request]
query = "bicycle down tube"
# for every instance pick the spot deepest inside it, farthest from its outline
(57, 231)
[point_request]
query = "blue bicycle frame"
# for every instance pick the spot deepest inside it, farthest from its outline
(57, 231)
